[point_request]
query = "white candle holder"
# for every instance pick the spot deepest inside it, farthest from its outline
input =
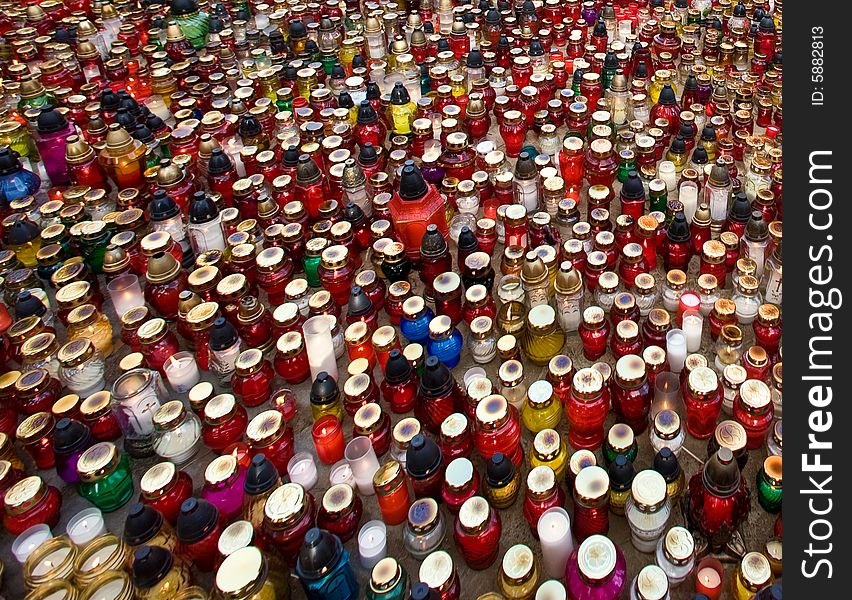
(693, 324)
(303, 470)
(341, 472)
(667, 395)
(30, 539)
(554, 531)
(319, 346)
(688, 196)
(85, 526)
(362, 459)
(125, 293)
(676, 349)
(666, 172)
(372, 543)
(182, 371)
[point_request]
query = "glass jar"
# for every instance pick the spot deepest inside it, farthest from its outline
(543, 493)
(336, 273)
(81, 367)
(461, 482)
(164, 488)
(586, 409)
(631, 394)
(675, 554)
(543, 337)
(177, 436)
(224, 486)
(591, 502)
(36, 391)
(747, 299)
(753, 574)
(723, 313)
(268, 434)
(549, 449)
(30, 502)
(728, 347)
(105, 476)
(137, 395)
(424, 530)
(158, 344)
(35, 434)
(666, 432)
(596, 569)
(497, 429)
(340, 511)
(541, 410)
(594, 333)
(703, 400)
(483, 344)
(224, 422)
(768, 484)
(753, 409)
(445, 342)
(252, 380)
(370, 421)
(477, 533)
(647, 510)
(288, 515)
(673, 289)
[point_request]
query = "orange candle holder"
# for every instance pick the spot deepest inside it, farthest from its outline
(709, 578)
(328, 439)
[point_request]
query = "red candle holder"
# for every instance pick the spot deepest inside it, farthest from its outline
(327, 433)
(709, 578)
(689, 300)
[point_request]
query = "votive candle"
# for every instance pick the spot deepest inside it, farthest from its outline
(302, 470)
(320, 347)
(182, 372)
(29, 540)
(125, 293)
(372, 543)
(676, 349)
(667, 394)
(710, 574)
(554, 532)
(85, 526)
(327, 433)
(361, 457)
(689, 300)
(341, 472)
(693, 324)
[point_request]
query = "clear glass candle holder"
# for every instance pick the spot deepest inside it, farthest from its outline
(125, 293)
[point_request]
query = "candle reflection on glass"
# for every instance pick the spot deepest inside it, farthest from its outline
(667, 394)
(372, 543)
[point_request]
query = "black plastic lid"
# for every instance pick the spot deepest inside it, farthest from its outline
(197, 519)
(665, 463)
(150, 565)
(422, 457)
(110, 101)
(27, 305)
(641, 71)
(142, 523)
(443, 45)
(70, 435)
(337, 71)
(467, 241)
(610, 61)
(125, 119)
(433, 244)
(9, 162)
(261, 476)
(51, 120)
(21, 231)
(277, 43)
(678, 231)
(773, 592)
(691, 82)
(183, 7)
(621, 473)
(224, 335)
(678, 145)
(492, 16)
(499, 471)
(143, 134)
(320, 551)
(667, 95)
(358, 61)
(632, 188)
(324, 389)
(162, 207)
(699, 155)
(600, 29)
(297, 29)
(436, 379)
(756, 228)
(428, 27)
(154, 123)
(373, 91)
(412, 185)
(474, 59)
(399, 95)
(368, 154)
(359, 302)
(291, 157)
(525, 167)
(344, 100)
(249, 125)
(202, 209)
(216, 24)
(740, 10)
(366, 113)
(740, 208)
(708, 133)
(353, 214)
(421, 591)
(397, 369)
(219, 162)
(503, 42)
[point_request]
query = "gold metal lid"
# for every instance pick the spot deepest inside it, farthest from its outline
(338, 498)
(541, 480)
(97, 461)
(75, 352)
(35, 427)
(588, 381)
(474, 513)
(383, 337)
(596, 556)
(169, 415)
(219, 407)
(235, 536)
(756, 570)
(423, 514)
(157, 478)
(152, 329)
(240, 573)
(384, 575)
(648, 489)
(285, 503)
(221, 469)
(405, 430)
(591, 483)
(518, 563)
(31, 380)
(703, 380)
(547, 444)
(731, 435)
(24, 494)
(96, 404)
(437, 569)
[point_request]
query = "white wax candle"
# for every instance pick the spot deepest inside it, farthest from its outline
(551, 590)
(85, 526)
(709, 577)
(303, 470)
(693, 323)
(666, 172)
(320, 346)
(29, 540)
(372, 543)
(676, 349)
(554, 531)
(688, 196)
(362, 459)
(182, 372)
